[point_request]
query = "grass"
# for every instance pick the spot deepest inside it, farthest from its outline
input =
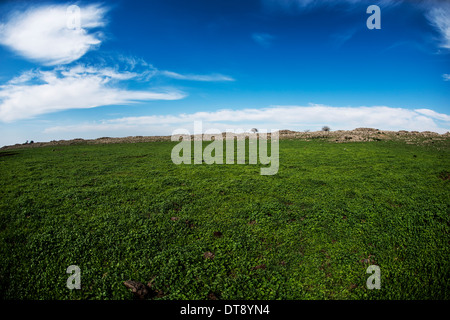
(125, 211)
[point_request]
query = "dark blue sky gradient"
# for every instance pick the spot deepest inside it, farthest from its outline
(323, 55)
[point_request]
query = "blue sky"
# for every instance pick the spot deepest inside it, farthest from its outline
(150, 67)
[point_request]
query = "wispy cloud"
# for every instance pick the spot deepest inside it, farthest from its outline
(311, 4)
(281, 117)
(446, 77)
(263, 39)
(39, 92)
(196, 77)
(439, 17)
(340, 38)
(42, 34)
(36, 92)
(434, 115)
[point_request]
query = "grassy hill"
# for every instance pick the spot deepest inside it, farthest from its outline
(124, 211)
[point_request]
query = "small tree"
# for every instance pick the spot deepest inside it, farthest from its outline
(326, 128)
(254, 130)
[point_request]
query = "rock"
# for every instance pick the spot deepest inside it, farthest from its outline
(140, 290)
(212, 296)
(366, 129)
(338, 136)
(208, 255)
(261, 266)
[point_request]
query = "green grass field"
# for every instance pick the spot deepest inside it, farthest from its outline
(125, 211)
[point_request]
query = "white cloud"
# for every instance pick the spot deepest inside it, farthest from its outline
(434, 114)
(277, 117)
(446, 77)
(39, 92)
(41, 33)
(196, 77)
(439, 17)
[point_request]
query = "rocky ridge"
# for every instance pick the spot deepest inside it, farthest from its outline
(338, 136)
